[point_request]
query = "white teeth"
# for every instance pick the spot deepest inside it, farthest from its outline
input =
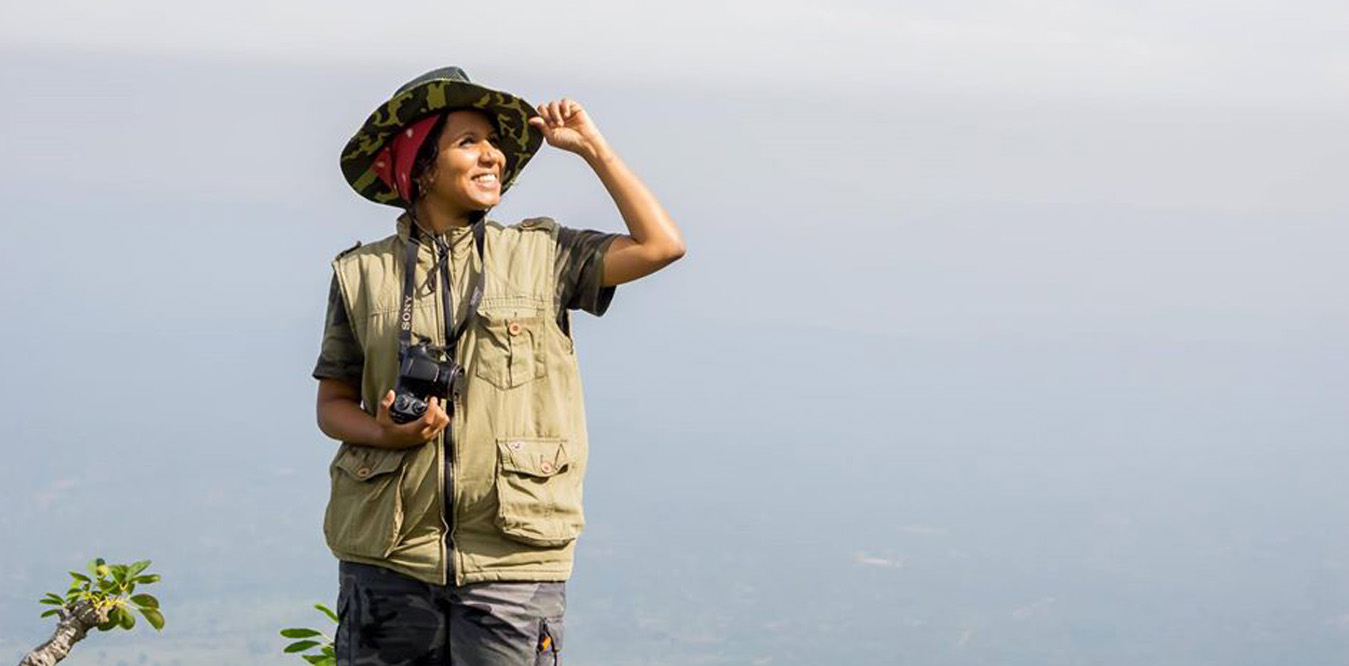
(486, 178)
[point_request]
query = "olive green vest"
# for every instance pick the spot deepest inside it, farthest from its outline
(517, 439)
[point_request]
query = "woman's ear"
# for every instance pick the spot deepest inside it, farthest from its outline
(427, 179)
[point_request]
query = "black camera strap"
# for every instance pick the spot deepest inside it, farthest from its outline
(452, 332)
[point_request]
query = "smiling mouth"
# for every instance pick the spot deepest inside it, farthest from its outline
(485, 179)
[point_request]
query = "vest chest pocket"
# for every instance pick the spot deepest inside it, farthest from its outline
(365, 508)
(510, 350)
(539, 491)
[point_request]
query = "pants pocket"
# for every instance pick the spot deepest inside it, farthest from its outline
(539, 491)
(365, 506)
(550, 642)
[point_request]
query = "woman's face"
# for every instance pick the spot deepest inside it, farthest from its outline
(467, 171)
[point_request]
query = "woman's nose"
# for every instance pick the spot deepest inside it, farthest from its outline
(491, 155)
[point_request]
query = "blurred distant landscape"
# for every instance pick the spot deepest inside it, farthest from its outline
(1007, 369)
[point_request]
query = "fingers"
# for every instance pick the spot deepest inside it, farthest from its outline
(434, 420)
(442, 418)
(385, 403)
(437, 413)
(413, 433)
(544, 122)
(557, 112)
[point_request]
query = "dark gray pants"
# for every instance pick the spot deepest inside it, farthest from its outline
(388, 619)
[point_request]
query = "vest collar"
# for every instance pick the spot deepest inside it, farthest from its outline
(452, 236)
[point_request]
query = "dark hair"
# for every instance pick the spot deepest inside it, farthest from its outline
(426, 156)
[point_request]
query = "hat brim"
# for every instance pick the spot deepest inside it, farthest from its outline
(519, 141)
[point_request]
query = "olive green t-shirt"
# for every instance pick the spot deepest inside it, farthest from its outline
(579, 269)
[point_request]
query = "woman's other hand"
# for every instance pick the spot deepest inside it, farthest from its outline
(653, 240)
(413, 433)
(566, 126)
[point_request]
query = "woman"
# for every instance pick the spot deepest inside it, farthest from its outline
(456, 495)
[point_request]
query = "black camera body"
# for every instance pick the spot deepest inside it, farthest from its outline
(423, 373)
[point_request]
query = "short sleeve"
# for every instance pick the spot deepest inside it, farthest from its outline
(340, 356)
(580, 270)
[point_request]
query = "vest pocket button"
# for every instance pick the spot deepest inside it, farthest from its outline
(510, 350)
(363, 472)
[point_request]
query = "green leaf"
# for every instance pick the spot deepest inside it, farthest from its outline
(79, 576)
(53, 602)
(146, 579)
(94, 565)
(118, 572)
(329, 651)
(300, 646)
(319, 660)
(154, 617)
(299, 633)
(128, 619)
(327, 611)
(137, 567)
(53, 611)
(145, 601)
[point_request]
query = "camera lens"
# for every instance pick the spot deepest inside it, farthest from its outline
(406, 408)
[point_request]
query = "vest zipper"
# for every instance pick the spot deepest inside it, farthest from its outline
(455, 421)
(444, 260)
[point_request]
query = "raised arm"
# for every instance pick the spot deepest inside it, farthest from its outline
(653, 241)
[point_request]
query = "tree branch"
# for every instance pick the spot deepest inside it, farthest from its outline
(76, 621)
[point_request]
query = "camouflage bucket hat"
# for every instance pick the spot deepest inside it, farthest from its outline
(438, 91)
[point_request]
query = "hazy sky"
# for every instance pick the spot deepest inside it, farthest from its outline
(1009, 332)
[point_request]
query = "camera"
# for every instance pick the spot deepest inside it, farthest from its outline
(424, 373)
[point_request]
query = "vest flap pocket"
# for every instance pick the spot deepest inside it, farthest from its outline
(533, 456)
(367, 464)
(510, 349)
(365, 505)
(511, 307)
(538, 491)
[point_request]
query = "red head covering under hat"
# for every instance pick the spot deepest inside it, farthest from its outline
(393, 165)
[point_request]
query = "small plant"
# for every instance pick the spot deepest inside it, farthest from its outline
(105, 599)
(325, 656)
